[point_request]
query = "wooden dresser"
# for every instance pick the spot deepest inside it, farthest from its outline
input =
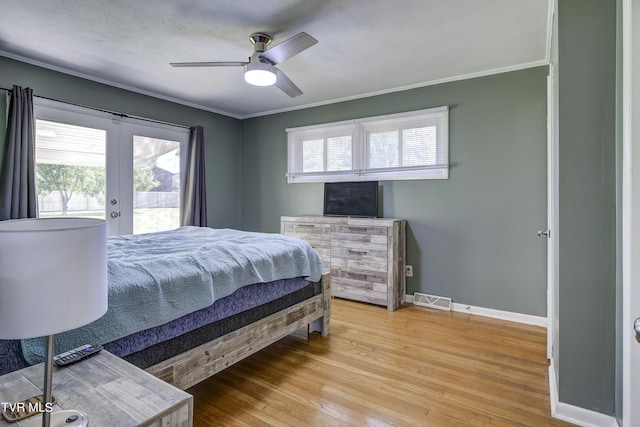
(365, 256)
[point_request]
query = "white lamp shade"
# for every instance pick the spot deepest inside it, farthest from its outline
(53, 275)
(259, 74)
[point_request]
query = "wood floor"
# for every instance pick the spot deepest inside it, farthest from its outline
(414, 366)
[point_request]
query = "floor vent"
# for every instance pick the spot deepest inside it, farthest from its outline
(441, 303)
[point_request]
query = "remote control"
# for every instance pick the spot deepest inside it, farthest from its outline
(76, 354)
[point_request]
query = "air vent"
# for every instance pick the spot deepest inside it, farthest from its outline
(433, 301)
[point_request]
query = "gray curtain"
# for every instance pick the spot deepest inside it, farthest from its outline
(18, 180)
(194, 200)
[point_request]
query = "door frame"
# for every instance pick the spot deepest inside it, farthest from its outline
(553, 220)
(630, 210)
(552, 214)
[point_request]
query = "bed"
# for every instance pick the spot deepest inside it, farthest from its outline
(186, 303)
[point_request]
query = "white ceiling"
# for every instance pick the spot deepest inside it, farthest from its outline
(364, 47)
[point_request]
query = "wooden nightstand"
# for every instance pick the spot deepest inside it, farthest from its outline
(109, 390)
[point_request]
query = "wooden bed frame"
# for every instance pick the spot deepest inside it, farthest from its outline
(197, 364)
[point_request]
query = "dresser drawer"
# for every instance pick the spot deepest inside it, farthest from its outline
(360, 233)
(359, 259)
(317, 235)
(359, 286)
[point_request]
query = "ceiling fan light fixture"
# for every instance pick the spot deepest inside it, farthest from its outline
(259, 74)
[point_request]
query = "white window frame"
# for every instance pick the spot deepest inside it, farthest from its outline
(438, 117)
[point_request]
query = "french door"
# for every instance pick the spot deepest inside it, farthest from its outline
(96, 164)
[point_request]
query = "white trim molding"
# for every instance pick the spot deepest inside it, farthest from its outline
(493, 313)
(502, 315)
(575, 414)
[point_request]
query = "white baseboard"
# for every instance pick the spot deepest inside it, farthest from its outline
(496, 314)
(574, 414)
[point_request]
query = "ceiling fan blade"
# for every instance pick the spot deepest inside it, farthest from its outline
(208, 64)
(284, 84)
(289, 48)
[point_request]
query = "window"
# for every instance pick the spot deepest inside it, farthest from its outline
(411, 145)
(95, 164)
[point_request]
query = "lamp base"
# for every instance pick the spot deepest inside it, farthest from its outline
(67, 418)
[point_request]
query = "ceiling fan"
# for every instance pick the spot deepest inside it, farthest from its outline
(260, 69)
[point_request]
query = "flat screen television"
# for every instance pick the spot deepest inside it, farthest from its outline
(355, 199)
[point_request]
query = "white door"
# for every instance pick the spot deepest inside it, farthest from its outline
(126, 171)
(631, 211)
(553, 310)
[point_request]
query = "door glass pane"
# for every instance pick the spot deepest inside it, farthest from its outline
(156, 184)
(70, 169)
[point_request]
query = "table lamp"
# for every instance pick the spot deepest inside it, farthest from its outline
(53, 278)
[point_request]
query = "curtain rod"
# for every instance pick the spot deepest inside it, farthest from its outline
(115, 113)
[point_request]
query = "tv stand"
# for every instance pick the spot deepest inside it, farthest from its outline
(365, 256)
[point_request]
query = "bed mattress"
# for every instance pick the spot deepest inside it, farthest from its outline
(237, 311)
(225, 315)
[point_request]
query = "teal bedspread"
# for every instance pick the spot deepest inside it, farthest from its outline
(158, 277)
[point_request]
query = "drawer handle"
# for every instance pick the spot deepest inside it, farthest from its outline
(355, 251)
(305, 226)
(358, 275)
(358, 229)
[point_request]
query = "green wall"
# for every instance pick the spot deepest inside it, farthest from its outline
(471, 237)
(222, 134)
(587, 235)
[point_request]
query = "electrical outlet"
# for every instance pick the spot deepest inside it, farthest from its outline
(408, 270)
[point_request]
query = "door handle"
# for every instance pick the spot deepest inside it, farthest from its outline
(544, 233)
(636, 327)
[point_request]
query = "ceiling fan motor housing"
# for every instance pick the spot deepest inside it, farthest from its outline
(260, 41)
(259, 71)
